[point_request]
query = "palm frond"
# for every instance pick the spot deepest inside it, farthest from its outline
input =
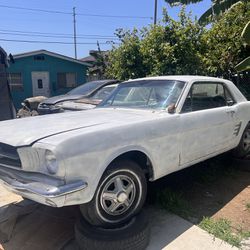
(244, 65)
(246, 33)
(181, 2)
(217, 8)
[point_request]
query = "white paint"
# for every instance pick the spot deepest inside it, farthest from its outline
(40, 83)
(86, 142)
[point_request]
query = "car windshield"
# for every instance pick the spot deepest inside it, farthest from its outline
(151, 94)
(86, 88)
(104, 92)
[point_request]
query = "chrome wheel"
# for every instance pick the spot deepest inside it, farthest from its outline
(246, 140)
(118, 195)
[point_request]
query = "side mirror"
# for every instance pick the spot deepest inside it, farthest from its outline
(171, 108)
(230, 102)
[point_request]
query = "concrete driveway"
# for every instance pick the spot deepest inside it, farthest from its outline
(31, 226)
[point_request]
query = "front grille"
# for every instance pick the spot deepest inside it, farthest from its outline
(9, 156)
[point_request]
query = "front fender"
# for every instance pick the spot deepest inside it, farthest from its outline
(90, 168)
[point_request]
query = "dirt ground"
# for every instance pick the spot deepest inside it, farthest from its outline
(217, 188)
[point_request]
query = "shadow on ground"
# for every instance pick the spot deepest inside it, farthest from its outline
(204, 189)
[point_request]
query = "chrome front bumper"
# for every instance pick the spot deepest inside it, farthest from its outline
(48, 194)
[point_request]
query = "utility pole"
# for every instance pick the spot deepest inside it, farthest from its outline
(155, 15)
(74, 21)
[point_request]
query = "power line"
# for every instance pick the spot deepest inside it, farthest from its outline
(47, 42)
(69, 13)
(114, 16)
(52, 36)
(57, 34)
(38, 10)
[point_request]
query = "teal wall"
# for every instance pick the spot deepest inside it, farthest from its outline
(51, 64)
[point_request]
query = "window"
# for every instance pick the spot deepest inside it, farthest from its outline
(146, 94)
(206, 96)
(39, 83)
(66, 80)
(39, 58)
(16, 82)
(103, 92)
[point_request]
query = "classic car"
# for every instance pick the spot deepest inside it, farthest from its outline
(101, 159)
(87, 103)
(87, 90)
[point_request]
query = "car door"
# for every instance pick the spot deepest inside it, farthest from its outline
(208, 121)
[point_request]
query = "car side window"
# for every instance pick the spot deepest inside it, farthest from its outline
(207, 95)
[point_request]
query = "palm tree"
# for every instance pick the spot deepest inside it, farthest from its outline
(218, 7)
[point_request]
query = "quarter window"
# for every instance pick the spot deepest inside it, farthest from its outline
(206, 96)
(66, 80)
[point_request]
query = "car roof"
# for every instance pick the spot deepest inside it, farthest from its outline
(192, 78)
(185, 78)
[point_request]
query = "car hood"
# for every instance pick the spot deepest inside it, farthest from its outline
(61, 98)
(26, 131)
(81, 104)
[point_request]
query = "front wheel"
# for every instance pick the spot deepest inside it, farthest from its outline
(120, 195)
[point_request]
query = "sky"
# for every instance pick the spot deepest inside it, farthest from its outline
(19, 24)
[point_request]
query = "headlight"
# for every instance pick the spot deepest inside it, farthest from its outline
(51, 162)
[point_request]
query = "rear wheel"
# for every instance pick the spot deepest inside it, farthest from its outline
(120, 195)
(243, 149)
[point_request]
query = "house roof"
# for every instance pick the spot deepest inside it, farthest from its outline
(49, 53)
(89, 59)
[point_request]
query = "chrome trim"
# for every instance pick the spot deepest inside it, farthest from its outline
(42, 189)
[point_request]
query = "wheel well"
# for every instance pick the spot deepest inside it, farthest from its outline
(141, 159)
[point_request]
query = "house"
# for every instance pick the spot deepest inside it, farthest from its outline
(44, 73)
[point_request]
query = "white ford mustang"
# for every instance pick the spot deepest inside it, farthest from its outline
(102, 158)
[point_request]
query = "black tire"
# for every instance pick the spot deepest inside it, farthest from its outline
(134, 235)
(97, 211)
(243, 150)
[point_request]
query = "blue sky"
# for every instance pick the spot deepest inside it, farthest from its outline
(20, 20)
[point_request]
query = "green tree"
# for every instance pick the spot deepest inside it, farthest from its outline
(173, 47)
(182, 47)
(223, 45)
(126, 61)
